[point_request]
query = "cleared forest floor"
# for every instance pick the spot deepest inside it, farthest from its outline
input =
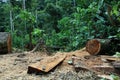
(14, 66)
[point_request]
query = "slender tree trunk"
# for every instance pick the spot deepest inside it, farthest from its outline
(24, 7)
(30, 38)
(74, 2)
(36, 18)
(11, 21)
(30, 41)
(12, 28)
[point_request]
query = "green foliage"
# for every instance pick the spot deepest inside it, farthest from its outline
(18, 39)
(114, 77)
(64, 23)
(3, 13)
(117, 54)
(118, 34)
(37, 34)
(26, 16)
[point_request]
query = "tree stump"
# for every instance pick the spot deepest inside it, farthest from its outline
(98, 46)
(5, 43)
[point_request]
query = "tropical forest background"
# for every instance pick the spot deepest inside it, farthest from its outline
(66, 24)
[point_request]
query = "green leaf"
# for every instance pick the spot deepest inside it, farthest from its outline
(115, 10)
(100, 4)
(115, 77)
(117, 54)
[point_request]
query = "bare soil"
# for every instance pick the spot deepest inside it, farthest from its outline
(14, 66)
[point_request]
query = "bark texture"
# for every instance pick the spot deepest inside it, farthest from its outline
(5, 43)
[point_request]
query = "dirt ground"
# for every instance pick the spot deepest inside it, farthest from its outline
(14, 66)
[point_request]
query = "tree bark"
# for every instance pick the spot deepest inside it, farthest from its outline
(5, 43)
(98, 46)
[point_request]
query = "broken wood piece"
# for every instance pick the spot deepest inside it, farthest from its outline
(98, 46)
(94, 64)
(112, 59)
(105, 68)
(79, 64)
(46, 64)
(116, 64)
(5, 43)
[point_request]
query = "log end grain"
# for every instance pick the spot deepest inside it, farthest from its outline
(93, 46)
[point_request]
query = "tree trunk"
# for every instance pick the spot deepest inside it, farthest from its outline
(11, 22)
(98, 46)
(30, 40)
(5, 43)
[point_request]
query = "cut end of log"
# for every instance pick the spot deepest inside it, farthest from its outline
(5, 43)
(93, 46)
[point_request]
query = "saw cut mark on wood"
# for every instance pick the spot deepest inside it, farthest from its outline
(46, 64)
(93, 46)
(98, 46)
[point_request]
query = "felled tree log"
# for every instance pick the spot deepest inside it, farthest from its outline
(5, 42)
(98, 46)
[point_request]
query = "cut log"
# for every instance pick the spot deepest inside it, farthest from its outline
(46, 64)
(5, 43)
(98, 46)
